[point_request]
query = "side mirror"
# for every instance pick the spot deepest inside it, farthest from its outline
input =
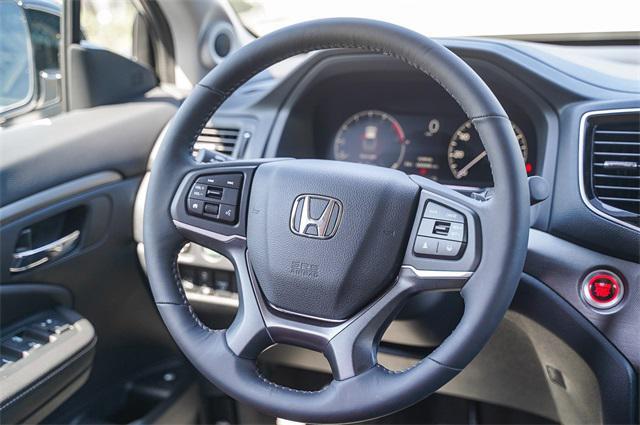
(50, 85)
(16, 62)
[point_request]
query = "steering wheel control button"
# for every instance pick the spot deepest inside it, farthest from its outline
(214, 192)
(442, 232)
(198, 191)
(425, 246)
(195, 206)
(211, 209)
(439, 212)
(426, 227)
(602, 289)
(227, 213)
(448, 248)
(456, 232)
(233, 181)
(230, 196)
(442, 229)
(216, 197)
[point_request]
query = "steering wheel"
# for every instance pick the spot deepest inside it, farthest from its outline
(327, 252)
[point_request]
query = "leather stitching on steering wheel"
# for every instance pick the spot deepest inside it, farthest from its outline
(178, 282)
(282, 387)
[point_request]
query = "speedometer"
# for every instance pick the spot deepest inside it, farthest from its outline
(467, 157)
(371, 137)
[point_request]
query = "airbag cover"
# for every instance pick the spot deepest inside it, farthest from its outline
(330, 275)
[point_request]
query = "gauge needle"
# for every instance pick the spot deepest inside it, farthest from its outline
(471, 163)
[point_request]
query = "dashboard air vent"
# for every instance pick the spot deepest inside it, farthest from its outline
(223, 140)
(613, 176)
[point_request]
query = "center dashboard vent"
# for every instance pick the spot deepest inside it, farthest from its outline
(218, 139)
(612, 156)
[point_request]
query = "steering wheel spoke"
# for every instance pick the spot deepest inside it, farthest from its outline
(353, 350)
(248, 335)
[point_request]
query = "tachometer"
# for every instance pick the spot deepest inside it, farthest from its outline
(467, 157)
(371, 137)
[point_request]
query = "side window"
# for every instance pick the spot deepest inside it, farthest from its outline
(30, 50)
(109, 24)
(17, 82)
(29, 60)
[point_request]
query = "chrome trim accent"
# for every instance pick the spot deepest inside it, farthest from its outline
(27, 260)
(581, 147)
(213, 235)
(437, 274)
(305, 316)
(213, 299)
(465, 189)
(321, 223)
(193, 254)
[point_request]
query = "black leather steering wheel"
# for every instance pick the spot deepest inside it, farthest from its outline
(324, 250)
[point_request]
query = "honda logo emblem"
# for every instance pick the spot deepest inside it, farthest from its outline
(315, 216)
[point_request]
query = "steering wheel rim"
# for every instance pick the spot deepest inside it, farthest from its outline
(362, 389)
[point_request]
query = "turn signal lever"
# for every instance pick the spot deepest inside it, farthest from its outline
(538, 191)
(207, 156)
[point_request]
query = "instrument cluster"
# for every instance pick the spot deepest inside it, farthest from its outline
(442, 148)
(415, 129)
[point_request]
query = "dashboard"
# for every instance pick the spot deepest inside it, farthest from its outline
(395, 120)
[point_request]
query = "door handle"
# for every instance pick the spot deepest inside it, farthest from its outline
(26, 260)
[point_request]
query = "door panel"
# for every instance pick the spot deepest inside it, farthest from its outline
(47, 153)
(77, 175)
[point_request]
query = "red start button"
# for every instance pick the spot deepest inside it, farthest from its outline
(602, 289)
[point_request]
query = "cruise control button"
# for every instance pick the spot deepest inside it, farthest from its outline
(456, 232)
(214, 192)
(425, 246)
(227, 213)
(442, 229)
(440, 212)
(448, 248)
(195, 206)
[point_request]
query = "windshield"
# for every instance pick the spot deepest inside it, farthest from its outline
(551, 20)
